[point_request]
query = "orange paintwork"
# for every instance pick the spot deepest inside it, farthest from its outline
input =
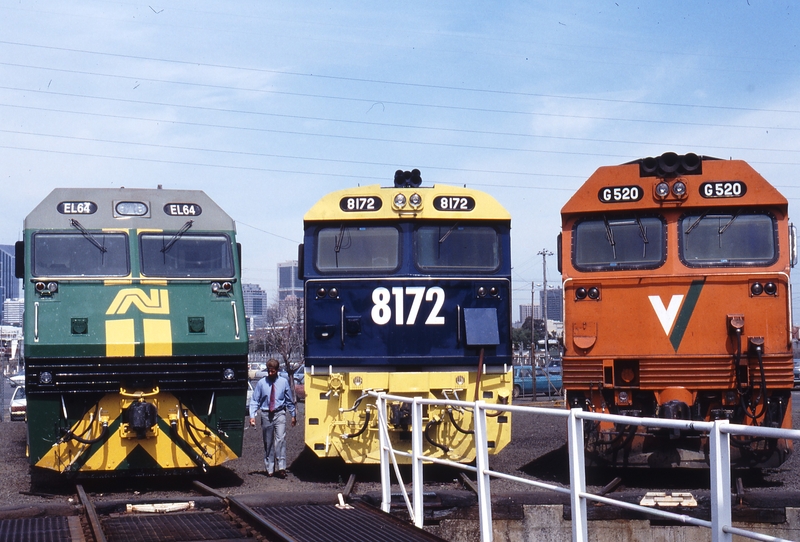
(679, 352)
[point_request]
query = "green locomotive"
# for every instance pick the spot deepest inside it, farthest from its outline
(135, 335)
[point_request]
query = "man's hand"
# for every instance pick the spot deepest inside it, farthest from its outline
(294, 421)
(252, 422)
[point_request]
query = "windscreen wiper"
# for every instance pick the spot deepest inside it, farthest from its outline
(695, 223)
(177, 236)
(78, 226)
(643, 233)
(734, 217)
(446, 235)
(610, 237)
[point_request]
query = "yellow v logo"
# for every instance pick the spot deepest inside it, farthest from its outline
(156, 303)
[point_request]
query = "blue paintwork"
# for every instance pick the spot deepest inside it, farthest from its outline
(413, 347)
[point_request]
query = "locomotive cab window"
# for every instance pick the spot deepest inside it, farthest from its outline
(186, 255)
(351, 247)
(619, 243)
(722, 239)
(455, 246)
(86, 254)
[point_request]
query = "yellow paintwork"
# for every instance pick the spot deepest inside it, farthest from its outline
(157, 337)
(332, 423)
(158, 443)
(486, 208)
(120, 339)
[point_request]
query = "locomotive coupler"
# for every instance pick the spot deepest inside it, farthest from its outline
(140, 417)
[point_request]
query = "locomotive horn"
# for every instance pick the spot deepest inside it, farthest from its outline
(690, 162)
(649, 165)
(405, 179)
(669, 162)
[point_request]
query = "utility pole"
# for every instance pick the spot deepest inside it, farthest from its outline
(544, 253)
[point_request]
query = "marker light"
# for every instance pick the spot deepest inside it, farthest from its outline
(415, 200)
(756, 288)
(662, 190)
(334, 293)
(321, 292)
(770, 288)
(399, 201)
(228, 374)
(594, 293)
(481, 292)
(580, 293)
(45, 377)
(131, 208)
(460, 380)
(679, 189)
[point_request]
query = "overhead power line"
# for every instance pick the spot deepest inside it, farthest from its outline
(397, 83)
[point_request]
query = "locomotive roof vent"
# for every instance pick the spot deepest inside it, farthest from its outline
(670, 164)
(407, 179)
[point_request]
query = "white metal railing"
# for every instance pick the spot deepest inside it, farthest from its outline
(719, 453)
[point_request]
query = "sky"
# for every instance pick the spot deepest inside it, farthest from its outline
(268, 105)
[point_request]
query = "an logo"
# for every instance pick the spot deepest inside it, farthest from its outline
(156, 303)
(675, 316)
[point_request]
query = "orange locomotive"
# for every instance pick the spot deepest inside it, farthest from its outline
(677, 304)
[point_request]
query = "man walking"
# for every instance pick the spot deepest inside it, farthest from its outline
(273, 398)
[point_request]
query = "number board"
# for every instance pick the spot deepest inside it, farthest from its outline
(620, 194)
(723, 189)
(355, 204)
(454, 203)
(183, 209)
(77, 207)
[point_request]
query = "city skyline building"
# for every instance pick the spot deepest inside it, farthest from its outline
(9, 283)
(288, 282)
(12, 312)
(555, 311)
(255, 305)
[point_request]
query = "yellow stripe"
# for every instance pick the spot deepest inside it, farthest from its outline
(156, 282)
(117, 282)
(120, 340)
(157, 337)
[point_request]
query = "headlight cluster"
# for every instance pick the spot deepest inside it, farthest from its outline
(593, 293)
(492, 291)
(223, 288)
(332, 292)
(46, 289)
(770, 288)
(401, 202)
(663, 190)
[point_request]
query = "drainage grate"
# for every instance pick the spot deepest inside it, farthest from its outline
(49, 529)
(173, 527)
(327, 523)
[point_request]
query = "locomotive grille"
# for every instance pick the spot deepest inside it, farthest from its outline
(108, 374)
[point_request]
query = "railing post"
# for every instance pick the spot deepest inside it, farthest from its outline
(416, 461)
(577, 477)
(482, 465)
(383, 436)
(719, 451)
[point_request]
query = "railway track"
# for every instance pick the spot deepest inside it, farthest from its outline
(211, 516)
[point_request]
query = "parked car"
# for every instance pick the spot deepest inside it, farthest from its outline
(255, 368)
(19, 404)
(17, 380)
(797, 373)
(547, 382)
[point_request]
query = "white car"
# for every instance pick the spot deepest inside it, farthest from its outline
(17, 380)
(254, 368)
(19, 404)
